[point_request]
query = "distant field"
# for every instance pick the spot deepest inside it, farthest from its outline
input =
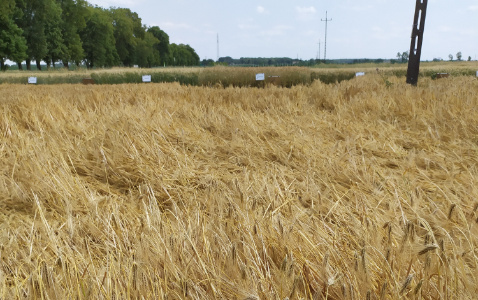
(237, 76)
(365, 189)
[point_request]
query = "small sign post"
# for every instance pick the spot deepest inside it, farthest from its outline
(87, 81)
(476, 73)
(442, 75)
(146, 78)
(260, 77)
(32, 80)
(358, 74)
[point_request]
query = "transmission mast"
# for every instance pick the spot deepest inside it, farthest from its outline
(326, 21)
(416, 44)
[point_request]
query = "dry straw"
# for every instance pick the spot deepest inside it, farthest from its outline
(162, 191)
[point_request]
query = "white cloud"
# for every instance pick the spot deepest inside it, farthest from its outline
(261, 9)
(473, 8)
(305, 13)
(306, 10)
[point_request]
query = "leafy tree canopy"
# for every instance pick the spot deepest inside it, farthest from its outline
(74, 31)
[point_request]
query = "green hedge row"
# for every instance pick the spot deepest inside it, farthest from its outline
(223, 76)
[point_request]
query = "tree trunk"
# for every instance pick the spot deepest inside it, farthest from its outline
(65, 64)
(20, 67)
(38, 65)
(2, 65)
(29, 64)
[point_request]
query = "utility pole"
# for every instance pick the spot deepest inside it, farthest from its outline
(326, 21)
(416, 44)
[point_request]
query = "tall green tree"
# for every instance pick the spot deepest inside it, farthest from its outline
(12, 43)
(163, 46)
(33, 24)
(98, 39)
(54, 38)
(73, 20)
(183, 55)
(128, 30)
(146, 56)
(459, 56)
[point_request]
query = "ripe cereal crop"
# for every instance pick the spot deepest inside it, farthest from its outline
(353, 190)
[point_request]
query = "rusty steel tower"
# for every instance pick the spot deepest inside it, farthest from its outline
(416, 44)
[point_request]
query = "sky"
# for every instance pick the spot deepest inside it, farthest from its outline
(279, 28)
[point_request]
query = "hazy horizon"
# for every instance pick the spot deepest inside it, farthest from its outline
(359, 29)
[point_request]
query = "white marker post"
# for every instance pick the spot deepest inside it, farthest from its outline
(358, 74)
(32, 80)
(146, 78)
(476, 73)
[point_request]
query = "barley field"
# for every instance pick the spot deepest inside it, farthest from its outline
(363, 189)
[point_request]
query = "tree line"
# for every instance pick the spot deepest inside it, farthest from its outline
(283, 61)
(76, 32)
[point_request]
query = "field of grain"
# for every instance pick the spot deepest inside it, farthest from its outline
(237, 76)
(358, 190)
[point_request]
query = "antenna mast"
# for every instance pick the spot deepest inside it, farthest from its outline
(326, 21)
(416, 44)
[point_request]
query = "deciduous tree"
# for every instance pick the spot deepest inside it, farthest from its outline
(183, 55)
(146, 56)
(73, 20)
(128, 30)
(54, 37)
(12, 42)
(98, 39)
(163, 46)
(458, 56)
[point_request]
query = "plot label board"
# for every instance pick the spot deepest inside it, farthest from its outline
(476, 73)
(32, 80)
(260, 76)
(358, 74)
(146, 78)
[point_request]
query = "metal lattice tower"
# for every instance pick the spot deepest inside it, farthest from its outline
(416, 44)
(326, 21)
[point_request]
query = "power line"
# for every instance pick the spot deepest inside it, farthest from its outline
(326, 21)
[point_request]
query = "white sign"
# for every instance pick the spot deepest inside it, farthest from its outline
(146, 78)
(359, 74)
(260, 76)
(32, 80)
(476, 73)
(136, 66)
